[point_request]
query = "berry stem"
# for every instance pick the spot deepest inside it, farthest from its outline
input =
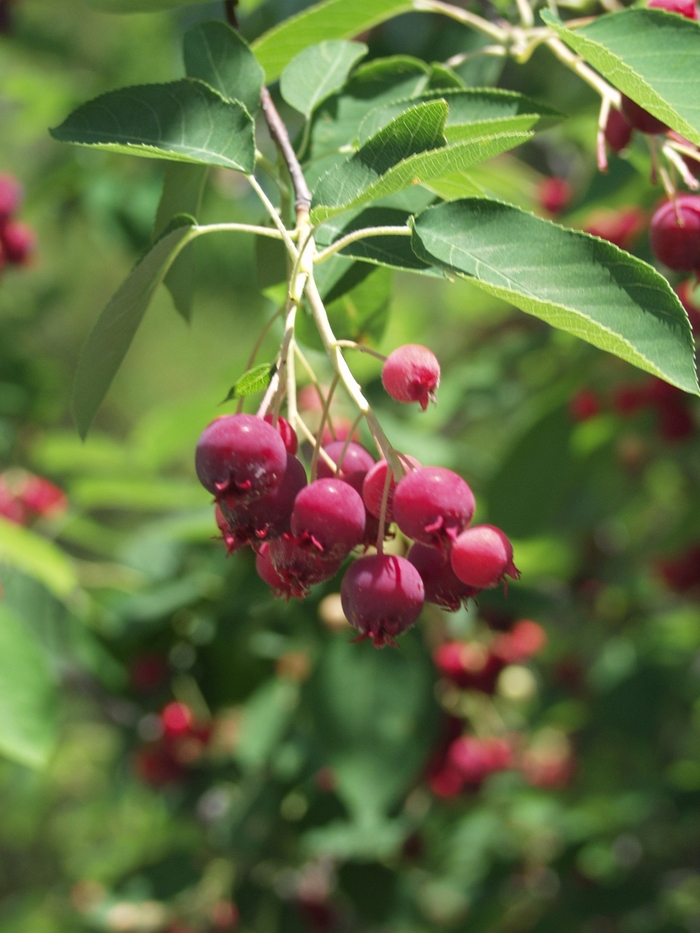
(315, 383)
(603, 116)
(272, 211)
(359, 235)
(258, 343)
(498, 33)
(354, 345)
(319, 434)
(383, 508)
(677, 162)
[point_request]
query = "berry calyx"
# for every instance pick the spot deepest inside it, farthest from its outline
(641, 119)
(297, 565)
(432, 505)
(373, 488)
(286, 432)
(382, 596)
(483, 556)
(412, 374)
(618, 130)
(442, 585)
(240, 456)
(674, 234)
(330, 515)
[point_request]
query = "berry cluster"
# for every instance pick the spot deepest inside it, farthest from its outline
(25, 497)
(175, 742)
(16, 238)
(303, 531)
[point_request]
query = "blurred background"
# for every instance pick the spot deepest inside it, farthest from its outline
(181, 752)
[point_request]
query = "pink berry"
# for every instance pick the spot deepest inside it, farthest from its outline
(641, 119)
(412, 374)
(469, 664)
(482, 556)
(382, 596)
(177, 719)
(686, 8)
(432, 505)
(10, 196)
(330, 515)
(42, 497)
(373, 488)
(554, 194)
(269, 516)
(477, 758)
(240, 456)
(266, 570)
(621, 227)
(299, 565)
(225, 529)
(18, 242)
(286, 432)
(525, 639)
(442, 585)
(618, 131)
(675, 233)
(356, 462)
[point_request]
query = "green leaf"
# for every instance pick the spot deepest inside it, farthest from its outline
(183, 187)
(185, 121)
(335, 19)
(27, 695)
(111, 336)
(266, 717)
(138, 6)
(651, 56)
(319, 71)
(147, 495)
(39, 558)
(217, 55)
(574, 281)
(252, 381)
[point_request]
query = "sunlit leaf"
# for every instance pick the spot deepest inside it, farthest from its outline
(217, 55)
(319, 71)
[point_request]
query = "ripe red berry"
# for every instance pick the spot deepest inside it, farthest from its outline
(266, 570)
(675, 233)
(682, 572)
(18, 242)
(584, 404)
(469, 664)
(356, 462)
(618, 131)
(382, 596)
(641, 119)
(241, 456)
(177, 719)
(42, 497)
(297, 565)
(432, 505)
(622, 228)
(686, 8)
(525, 639)
(482, 556)
(330, 515)
(442, 585)
(412, 374)
(477, 758)
(554, 194)
(373, 488)
(286, 432)
(11, 507)
(10, 196)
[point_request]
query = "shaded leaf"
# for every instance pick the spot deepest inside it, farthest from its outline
(185, 121)
(319, 71)
(266, 716)
(217, 55)
(574, 281)
(111, 337)
(252, 381)
(651, 56)
(138, 6)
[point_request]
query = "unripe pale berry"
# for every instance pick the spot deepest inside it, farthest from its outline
(482, 556)
(240, 456)
(286, 432)
(412, 374)
(641, 119)
(382, 596)
(674, 234)
(18, 242)
(330, 515)
(442, 585)
(432, 505)
(618, 130)
(10, 196)
(373, 488)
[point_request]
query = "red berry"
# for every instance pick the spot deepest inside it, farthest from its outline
(525, 639)
(675, 422)
(584, 404)
(356, 462)
(18, 242)
(330, 515)
(675, 233)
(686, 8)
(629, 399)
(177, 718)
(618, 131)
(286, 432)
(412, 374)
(622, 228)
(148, 672)
(482, 556)
(10, 196)
(442, 585)
(554, 194)
(641, 119)
(267, 517)
(10, 506)
(432, 505)
(240, 456)
(297, 566)
(682, 573)
(155, 766)
(373, 488)
(689, 295)
(446, 781)
(477, 758)
(382, 596)
(42, 497)
(469, 664)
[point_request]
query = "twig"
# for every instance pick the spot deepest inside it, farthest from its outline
(278, 131)
(272, 211)
(359, 235)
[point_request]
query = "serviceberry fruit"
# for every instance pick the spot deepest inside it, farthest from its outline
(298, 566)
(373, 488)
(10, 196)
(442, 585)
(483, 556)
(618, 130)
(620, 227)
(356, 462)
(524, 640)
(330, 515)
(286, 432)
(641, 119)
(477, 758)
(686, 8)
(382, 596)
(412, 374)
(554, 194)
(469, 664)
(432, 505)
(240, 456)
(674, 234)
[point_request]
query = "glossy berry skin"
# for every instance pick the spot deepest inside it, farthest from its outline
(10, 196)
(18, 242)
(411, 374)
(442, 585)
(618, 131)
(356, 462)
(640, 119)
(240, 456)
(286, 432)
(677, 245)
(686, 8)
(382, 596)
(330, 515)
(297, 564)
(266, 570)
(373, 488)
(482, 556)
(432, 505)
